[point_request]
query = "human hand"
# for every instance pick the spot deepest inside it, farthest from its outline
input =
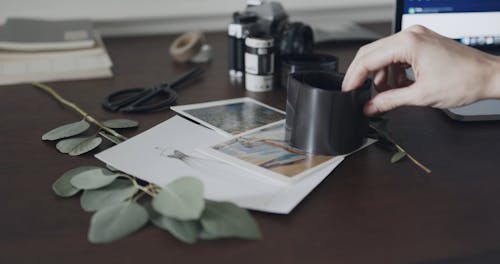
(447, 73)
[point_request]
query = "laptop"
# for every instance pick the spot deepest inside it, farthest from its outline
(474, 23)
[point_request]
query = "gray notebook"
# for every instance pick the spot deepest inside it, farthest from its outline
(34, 34)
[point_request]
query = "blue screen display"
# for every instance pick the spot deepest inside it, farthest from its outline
(450, 6)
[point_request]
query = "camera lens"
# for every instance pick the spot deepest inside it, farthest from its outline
(296, 38)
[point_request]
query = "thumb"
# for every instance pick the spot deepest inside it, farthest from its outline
(392, 99)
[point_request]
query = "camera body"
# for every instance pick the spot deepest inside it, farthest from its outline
(258, 37)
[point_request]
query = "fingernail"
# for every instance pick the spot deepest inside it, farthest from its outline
(370, 109)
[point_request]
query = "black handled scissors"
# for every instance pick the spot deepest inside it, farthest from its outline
(135, 100)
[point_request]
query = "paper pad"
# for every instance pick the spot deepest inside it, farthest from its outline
(168, 151)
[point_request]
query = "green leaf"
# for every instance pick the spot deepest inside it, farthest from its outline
(181, 199)
(186, 231)
(67, 130)
(117, 191)
(223, 219)
(63, 186)
(120, 123)
(116, 221)
(77, 146)
(398, 156)
(111, 168)
(93, 179)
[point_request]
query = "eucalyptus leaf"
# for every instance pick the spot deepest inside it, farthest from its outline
(398, 156)
(77, 146)
(63, 186)
(186, 231)
(67, 130)
(224, 219)
(93, 179)
(116, 221)
(120, 123)
(182, 199)
(117, 191)
(111, 168)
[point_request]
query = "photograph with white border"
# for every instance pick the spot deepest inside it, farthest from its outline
(232, 117)
(266, 152)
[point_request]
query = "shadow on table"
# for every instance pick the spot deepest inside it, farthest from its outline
(492, 256)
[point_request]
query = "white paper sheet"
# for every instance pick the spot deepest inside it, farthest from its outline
(145, 156)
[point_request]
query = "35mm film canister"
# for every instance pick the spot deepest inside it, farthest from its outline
(320, 118)
(259, 64)
(237, 32)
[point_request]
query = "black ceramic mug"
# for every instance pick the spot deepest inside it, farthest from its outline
(320, 118)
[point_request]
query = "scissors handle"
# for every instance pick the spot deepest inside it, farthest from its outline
(165, 104)
(115, 105)
(146, 95)
(134, 99)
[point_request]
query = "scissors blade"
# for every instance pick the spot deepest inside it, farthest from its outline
(190, 75)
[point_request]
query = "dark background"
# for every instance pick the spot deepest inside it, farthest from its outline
(366, 211)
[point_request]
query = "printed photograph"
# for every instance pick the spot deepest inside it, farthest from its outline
(267, 149)
(233, 117)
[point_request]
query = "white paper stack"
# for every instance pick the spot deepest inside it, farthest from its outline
(145, 156)
(254, 168)
(40, 50)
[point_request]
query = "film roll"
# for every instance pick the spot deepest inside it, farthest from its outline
(320, 118)
(259, 64)
(306, 62)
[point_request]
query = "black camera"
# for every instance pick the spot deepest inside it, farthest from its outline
(258, 38)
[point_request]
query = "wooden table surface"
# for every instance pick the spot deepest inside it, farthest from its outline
(366, 211)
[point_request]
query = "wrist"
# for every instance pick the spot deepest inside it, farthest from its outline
(494, 79)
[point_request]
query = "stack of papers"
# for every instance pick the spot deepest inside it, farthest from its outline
(40, 50)
(241, 158)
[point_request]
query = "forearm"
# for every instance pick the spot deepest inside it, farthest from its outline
(494, 80)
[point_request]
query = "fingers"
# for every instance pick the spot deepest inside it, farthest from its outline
(380, 80)
(378, 55)
(394, 98)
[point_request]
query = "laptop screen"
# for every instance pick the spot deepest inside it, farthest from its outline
(472, 22)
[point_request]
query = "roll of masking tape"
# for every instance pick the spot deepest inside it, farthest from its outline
(187, 46)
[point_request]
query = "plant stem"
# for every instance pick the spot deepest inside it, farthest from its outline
(108, 137)
(73, 106)
(415, 161)
(138, 186)
(138, 196)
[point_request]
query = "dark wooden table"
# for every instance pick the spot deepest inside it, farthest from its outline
(366, 211)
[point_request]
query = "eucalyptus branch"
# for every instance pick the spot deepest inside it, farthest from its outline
(138, 196)
(138, 186)
(73, 106)
(416, 162)
(118, 212)
(399, 148)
